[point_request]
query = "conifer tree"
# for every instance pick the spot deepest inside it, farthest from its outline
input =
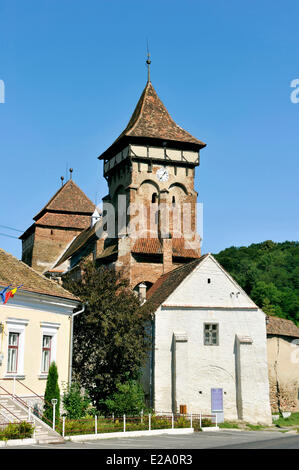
(52, 391)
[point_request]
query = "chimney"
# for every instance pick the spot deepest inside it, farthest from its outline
(142, 292)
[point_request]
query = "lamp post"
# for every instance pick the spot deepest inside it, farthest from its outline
(54, 403)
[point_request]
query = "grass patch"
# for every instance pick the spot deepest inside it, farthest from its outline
(228, 425)
(254, 427)
(292, 420)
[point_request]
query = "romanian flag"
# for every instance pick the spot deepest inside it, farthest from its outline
(11, 293)
(3, 293)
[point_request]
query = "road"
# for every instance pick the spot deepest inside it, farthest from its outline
(224, 439)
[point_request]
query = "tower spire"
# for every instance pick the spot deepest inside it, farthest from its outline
(148, 62)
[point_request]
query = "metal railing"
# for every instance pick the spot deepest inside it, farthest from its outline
(23, 404)
(125, 423)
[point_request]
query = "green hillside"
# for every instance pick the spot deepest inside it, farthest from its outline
(269, 273)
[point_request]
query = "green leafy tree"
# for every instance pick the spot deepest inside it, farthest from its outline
(110, 340)
(269, 273)
(127, 399)
(75, 402)
(52, 392)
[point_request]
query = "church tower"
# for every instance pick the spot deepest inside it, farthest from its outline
(56, 225)
(150, 171)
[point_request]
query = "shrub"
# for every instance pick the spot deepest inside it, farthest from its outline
(76, 403)
(17, 431)
(128, 399)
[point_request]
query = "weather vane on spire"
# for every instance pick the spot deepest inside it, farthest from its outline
(148, 62)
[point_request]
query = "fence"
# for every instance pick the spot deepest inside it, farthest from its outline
(125, 423)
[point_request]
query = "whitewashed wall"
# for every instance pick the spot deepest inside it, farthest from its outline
(184, 313)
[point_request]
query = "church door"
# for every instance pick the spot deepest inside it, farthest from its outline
(217, 403)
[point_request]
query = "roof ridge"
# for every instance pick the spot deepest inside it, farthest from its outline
(141, 109)
(159, 282)
(58, 192)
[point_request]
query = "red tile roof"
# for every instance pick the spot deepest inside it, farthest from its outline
(154, 246)
(151, 119)
(64, 220)
(69, 198)
(69, 207)
(147, 245)
(15, 272)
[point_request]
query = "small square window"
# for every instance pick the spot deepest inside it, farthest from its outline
(211, 334)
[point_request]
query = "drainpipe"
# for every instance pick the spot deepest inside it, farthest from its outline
(71, 340)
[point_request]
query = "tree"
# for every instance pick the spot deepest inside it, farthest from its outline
(110, 340)
(75, 402)
(52, 391)
(127, 399)
(269, 273)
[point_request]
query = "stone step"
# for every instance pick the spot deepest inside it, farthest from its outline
(43, 433)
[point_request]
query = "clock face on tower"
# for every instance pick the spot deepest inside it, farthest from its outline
(162, 174)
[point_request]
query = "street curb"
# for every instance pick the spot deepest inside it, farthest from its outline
(17, 442)
(210, 428)
(111, 435)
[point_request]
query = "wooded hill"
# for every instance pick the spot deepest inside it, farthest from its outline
(269, 273)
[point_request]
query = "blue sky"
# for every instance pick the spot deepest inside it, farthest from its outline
(73, 73)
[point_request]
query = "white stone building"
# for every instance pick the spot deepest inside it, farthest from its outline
(209, 345)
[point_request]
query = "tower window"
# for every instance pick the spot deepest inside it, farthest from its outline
(175, 170)
(209, 280)
(187, 171)
(154, 198)
(150, 167)
(173, 199)
(139, 166)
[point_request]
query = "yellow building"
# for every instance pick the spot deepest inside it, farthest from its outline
(35, 329)
(283, 364)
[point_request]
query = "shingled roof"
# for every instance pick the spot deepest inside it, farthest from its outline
(69, 207)
(154, 246)
(69, 198)
(151, 119)
(281, 327)
(15, 272)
